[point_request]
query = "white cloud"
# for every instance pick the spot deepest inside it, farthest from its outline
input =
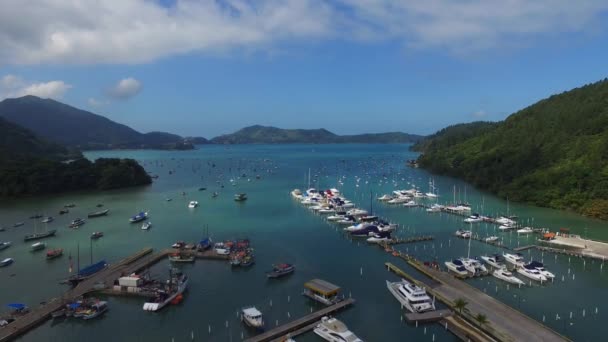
(15, 86)
(93, 102)
(480, 114)
(125, 89)
(136, 31)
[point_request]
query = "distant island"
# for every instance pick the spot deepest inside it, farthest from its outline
(272, 135)
(30, 165)
(77, 128)
(552, 154)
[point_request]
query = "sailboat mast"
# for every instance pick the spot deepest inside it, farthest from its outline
(78, 259)
(91, 251)
(469, 248)
(308, 178)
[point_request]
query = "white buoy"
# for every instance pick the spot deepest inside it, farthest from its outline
(276, 323)
(425, 330)
(288, 315)
(192, 335)
(570, 314)
(271, 303)
(209, 326)
(226, 324)
(572, 276)
(543, 318)
(361, 271)
(583, 312)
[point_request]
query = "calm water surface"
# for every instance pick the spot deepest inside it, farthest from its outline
(282, 230)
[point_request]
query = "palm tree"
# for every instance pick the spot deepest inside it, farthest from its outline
(460, 305)
(481, 319)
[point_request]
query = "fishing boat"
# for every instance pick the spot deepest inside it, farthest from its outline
(252, 317)
(5, 245)
(541, 268)
(38, 246)
(139, 217)
(503, 274)
(412, 297)
(6, 262)
(96, 235)
(333, 330)
(457, 267)
(99, 213)
(77, 223)
(47, 219)
(240, 197)
(193, 204)
(280, 270)
(175, 286)
(54, 253)
(531, 272)
(181, 258)
(95, 310)
(494, 260)
(146, 225)
(516, 259)
(36, 236)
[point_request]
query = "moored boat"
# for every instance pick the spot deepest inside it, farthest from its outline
(333, 330)
(531, 272)
(37, 236)
(176, 285)
(503, 274)
(240, 197)
(193, 204)
(181, 258)
(96, 235)
(139, 217)
(38, 246)
(494, 260)
(146, 225)
(7, 261)
(54, 253)
(95, 310)
(5, 245)
(77, 223)
(412, 297)
(516, 259)
(457, 267)
(98, 213)
(280, 270)
(252, 317)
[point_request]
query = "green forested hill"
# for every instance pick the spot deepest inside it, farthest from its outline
(30, 165)
(553, 153)
(272, 135)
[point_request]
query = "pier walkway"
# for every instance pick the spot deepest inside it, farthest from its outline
(505, 323)
(38, 315)
(300, 325)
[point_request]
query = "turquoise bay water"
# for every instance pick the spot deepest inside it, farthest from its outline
(282, 230)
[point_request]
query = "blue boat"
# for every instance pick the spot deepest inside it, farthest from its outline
(92, 269)
(204, 244)
(139, 217)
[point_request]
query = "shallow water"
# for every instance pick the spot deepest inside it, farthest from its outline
(282, 230)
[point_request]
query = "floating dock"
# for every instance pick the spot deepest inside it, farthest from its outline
(397, 241)
(300, 325)
(506, 323)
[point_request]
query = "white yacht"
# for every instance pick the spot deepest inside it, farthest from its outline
(333, 330)
(475, 218)
(505, 227)
(492, 238)
(515, 259)
(505, 221)
(338, 215)
(357, 212)
(252, 317)
(494, 260)
(399, 200)
(525, 230)
(356, 227)
(410, 204)
(296, 193)
(418, 194)
(465, 234)
(435, 208)
(457, 267)
(473, 266)
(541, 268)
(385, 198)
(221, 249)
(412, 297)
(503, 274)
(379, 238)
(532, 273)
(193, 204)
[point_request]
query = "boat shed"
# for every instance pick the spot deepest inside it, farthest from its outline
(322, 287)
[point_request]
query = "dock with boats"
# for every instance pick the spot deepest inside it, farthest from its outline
(506, 323)
(301, 325)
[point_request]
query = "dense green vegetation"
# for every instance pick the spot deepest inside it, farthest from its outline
(32, 166)
(76, 128)
(553, 153)
(272, 135)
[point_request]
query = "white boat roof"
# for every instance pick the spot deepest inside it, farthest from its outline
(252, 312)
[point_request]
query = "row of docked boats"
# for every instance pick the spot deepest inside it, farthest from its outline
(85, 309)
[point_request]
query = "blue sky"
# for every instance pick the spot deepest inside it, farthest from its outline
(207, 67)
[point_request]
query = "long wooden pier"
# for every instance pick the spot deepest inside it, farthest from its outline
(38, 315)
(505, 323)
(300, 325)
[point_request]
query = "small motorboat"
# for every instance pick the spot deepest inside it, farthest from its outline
(38, 246)
(146, 225)
(5, 245)
(54, 253)
(193, 204)
(95, 310)
(252, 317)
(98, 213)
(96, 235)
(215, 194)
(240, 197)
(6, 262)
(69, 205)
(139, 217)
(47, 219)
(76, 223)
(64, 211)
(280, 270)
(36, 216)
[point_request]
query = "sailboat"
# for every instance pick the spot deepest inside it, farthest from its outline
(432, 190)
(42, 235)
(85, 272)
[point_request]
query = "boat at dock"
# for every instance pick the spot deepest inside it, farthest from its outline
(87, 271)
(474, 267)
(456, 266)
(529, 271)
(541, 268)
(333, 330)
(139, 217)
(525, 230)
(322, 291)
(412, 297)
(280, 270)
(504, 274)
(492, 238)
(252, 317)
(475, 218)
(379, 237)
(36, 236)
(496, 260)
(516, 259)
(181, 258)
(54, 253)
(175, 286)
(95, 310)
(98, 213)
